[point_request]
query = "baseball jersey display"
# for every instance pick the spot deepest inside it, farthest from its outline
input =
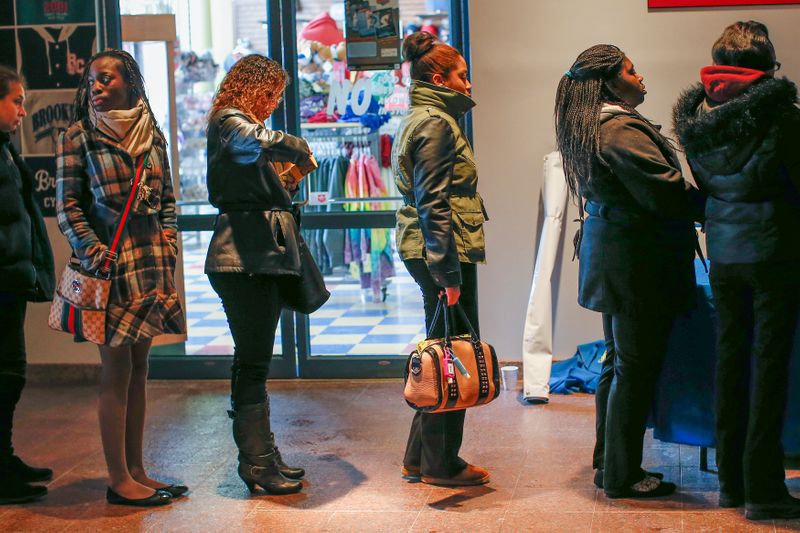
(53, 57)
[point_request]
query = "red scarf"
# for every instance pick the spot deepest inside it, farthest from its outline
(723, 82)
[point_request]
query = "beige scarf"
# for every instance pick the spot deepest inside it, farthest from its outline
(131, 128)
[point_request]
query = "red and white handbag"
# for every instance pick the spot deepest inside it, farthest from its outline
(80, 302)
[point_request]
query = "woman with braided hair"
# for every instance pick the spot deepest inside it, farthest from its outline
(636, 250)
(114, 131)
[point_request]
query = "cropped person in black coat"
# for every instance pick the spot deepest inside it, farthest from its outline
(636, 251)
(255, 243)
(26, 275)
(740, 128)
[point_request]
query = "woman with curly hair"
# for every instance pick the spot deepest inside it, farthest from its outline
(114, 132)
(256, 241)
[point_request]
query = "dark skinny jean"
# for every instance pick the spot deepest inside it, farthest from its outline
(435, 439)
(253, 307)
(12, 365)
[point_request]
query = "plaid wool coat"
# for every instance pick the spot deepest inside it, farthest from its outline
(93, 180)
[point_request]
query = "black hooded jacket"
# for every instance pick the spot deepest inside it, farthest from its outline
(745, 154)
(26, 259)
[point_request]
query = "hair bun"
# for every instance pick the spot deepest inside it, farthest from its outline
(417, 45)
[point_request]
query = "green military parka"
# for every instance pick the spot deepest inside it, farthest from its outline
(435, 171)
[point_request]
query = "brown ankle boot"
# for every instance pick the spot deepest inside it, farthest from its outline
(471, 475)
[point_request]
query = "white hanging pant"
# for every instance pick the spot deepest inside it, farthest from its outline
(537, 341)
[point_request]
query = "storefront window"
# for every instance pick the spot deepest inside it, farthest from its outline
(350, 119)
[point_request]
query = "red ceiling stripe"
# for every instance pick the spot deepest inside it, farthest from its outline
(714, 3)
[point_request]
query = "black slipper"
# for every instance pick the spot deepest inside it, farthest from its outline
(649, 487)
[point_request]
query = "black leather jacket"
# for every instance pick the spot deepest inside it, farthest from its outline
(256, 231)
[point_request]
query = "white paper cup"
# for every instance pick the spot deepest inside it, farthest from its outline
(509, 377)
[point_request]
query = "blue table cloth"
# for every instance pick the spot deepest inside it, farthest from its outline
(683, 411)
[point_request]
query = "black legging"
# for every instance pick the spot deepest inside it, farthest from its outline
(435, 439)
(253, 307)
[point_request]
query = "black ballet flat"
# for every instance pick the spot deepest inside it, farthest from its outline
(160, 497)
(176, 491)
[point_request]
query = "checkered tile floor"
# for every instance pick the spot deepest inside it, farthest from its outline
(348, 324)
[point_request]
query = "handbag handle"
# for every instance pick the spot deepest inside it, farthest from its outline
(449, 322)
(449, 319)
(111, 254)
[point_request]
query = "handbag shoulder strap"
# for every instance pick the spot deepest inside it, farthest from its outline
(111, 253)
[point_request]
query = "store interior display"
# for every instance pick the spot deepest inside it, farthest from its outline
(194, 77)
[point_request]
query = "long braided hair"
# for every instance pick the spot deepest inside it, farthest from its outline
(579, 98)
(133, 77)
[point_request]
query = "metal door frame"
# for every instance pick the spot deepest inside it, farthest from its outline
(282, 12)
(296, 360)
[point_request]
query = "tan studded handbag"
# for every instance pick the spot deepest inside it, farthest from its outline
(453, 372)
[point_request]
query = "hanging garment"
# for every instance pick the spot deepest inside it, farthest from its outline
(368, 251)
(537, 338)
(380, 251)
(334, 238)
(318, 181)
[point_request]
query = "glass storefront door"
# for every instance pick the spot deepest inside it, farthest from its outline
(189, 79)
(374, 316)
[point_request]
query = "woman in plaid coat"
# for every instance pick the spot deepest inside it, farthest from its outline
(113, 130)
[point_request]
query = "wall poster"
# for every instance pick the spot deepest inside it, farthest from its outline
(372, 34)
(715, 3)
(49, 42)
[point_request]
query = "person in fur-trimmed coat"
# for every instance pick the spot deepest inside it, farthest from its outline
(740, 128)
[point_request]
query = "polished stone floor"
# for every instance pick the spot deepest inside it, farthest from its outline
(350, 436)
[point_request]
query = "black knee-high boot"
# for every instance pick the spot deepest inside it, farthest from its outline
(257, 456)
(15, 475)
(291, 472)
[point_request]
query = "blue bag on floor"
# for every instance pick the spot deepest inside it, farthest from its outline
(579, 373)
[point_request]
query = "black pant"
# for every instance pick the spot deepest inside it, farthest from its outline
(757, 306)
(640, 344)
(253, 307)
(12, 366)
(435, 439)
(601, 394)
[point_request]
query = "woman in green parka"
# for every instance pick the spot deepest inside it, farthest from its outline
(439, 232)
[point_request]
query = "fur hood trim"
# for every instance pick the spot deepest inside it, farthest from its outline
(747, 115)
